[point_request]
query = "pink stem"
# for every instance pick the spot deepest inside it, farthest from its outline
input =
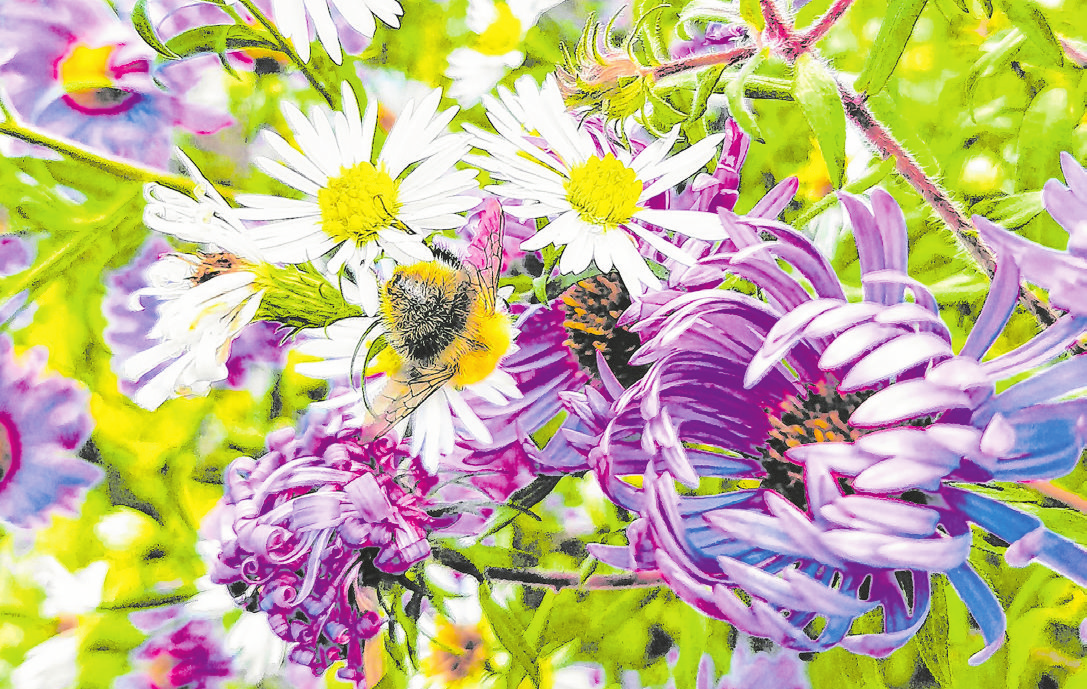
(821, 27)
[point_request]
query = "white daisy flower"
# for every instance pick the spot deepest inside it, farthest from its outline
(290, 16)
(595, 199)
(204, 300)
(362, 209)
(501, 26)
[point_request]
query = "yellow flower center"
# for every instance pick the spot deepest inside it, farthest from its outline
(503, 35)
(85, 69)
(458, 656)
(604, 191)
(358, 203)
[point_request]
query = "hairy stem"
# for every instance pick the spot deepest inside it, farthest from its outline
(777, 29)
(727, 58)
(856, 109)
(288, 50)
(820, 28)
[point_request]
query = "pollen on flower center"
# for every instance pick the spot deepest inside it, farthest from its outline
(85, 69)
(9, 450)
(358, 203)
(819, 415)
(604, 191)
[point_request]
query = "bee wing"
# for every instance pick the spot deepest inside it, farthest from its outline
(485, 251)
(402, 396)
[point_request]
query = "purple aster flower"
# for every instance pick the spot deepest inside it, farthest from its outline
(43, 419)
(318, 522)
(842, 434)
(76, 70)
(186, 657)
(543, 367)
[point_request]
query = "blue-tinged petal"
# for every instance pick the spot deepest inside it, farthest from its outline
(999, 304)
(983, 606)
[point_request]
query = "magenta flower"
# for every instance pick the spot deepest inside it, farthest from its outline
(186, 657)
(44, 419)
(76, 70)
(318, 521)
(859, 424)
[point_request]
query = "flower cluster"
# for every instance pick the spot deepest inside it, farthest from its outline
(318, 522)
(440, 321)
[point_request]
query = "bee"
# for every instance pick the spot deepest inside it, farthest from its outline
(441, 324)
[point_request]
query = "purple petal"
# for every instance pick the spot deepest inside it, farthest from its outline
(894, 357)
(906, 400)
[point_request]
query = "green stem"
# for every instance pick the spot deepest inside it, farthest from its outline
(133, 173)
(288, 50)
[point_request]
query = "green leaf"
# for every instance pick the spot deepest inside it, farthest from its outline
(142, 23)
(734, 92)
(217, 39)
(1046, 130)
(510, 634)
(817, 94)
(999, 51)
(751, 13)
(894, 33)
(1012, 211)
(707, 82)
(932, 638)
(1028, 17)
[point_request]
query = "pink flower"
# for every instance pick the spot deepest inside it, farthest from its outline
(76, 70)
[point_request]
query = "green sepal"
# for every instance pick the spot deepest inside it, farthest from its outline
(142, 23)
(817, 94)
(300, 297)
(735, 93)
(894, 32)
(217, 39)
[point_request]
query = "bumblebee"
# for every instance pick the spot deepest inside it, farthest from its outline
(442, 324)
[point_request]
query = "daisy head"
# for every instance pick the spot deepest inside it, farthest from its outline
(594, 192)
(361, 202)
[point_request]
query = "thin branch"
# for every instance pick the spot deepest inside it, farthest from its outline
(820, 28)
(288, 50)
(565, 580)
(726, 58)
